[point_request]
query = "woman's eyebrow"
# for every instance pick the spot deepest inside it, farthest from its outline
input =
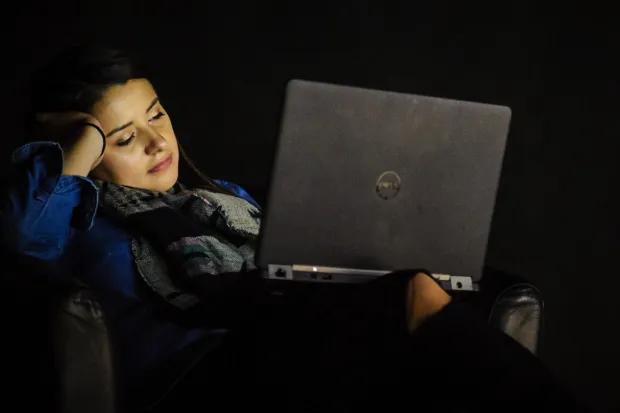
(128, 124)
(120, 128)
(153, 103)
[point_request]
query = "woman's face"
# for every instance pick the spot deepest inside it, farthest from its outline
(141, 148)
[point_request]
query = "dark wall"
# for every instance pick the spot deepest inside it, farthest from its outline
(221, 71)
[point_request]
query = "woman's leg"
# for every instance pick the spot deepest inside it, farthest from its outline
(403, 342)
(454, 361)
(395, 343)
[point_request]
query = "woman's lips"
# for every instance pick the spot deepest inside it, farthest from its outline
(162, 165)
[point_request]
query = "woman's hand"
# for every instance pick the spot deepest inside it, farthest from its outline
(82, 144)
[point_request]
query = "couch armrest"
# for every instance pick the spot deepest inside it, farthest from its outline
(83, 355)
(518, 311)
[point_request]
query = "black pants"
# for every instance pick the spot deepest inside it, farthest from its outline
(354, 354)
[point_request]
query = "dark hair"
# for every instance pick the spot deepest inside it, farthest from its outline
(79, 77)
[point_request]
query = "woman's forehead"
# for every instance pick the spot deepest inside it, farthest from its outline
(127, 100)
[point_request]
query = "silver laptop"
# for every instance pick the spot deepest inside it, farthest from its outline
(366, 182)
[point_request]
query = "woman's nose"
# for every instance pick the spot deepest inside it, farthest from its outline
(156, 143)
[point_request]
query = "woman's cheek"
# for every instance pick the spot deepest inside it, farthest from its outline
(122, 168)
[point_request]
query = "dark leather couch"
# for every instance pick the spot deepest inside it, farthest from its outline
(76, 373)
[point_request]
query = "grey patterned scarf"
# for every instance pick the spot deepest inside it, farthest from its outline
(183, 235)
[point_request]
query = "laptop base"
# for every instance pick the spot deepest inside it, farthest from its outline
(309, 273)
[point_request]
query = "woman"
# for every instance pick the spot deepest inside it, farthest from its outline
(59, 210)
(106, 196)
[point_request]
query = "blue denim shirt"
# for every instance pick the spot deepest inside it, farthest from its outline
(53, 219)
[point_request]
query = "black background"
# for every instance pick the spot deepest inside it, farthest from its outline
(221, 69)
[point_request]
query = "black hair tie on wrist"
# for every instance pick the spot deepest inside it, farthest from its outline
(101, 132)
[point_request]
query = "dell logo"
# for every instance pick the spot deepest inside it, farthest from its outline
(388, 185)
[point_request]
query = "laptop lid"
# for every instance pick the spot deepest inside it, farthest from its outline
(377, 180)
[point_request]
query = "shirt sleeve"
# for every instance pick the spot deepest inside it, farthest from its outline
(39, 207)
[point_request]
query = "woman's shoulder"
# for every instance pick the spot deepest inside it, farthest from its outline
(239, 191)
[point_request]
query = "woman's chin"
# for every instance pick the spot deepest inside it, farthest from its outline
(163, 182)
(168, 182)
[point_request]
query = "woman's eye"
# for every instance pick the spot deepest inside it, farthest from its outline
(158, 116)
(127, 141)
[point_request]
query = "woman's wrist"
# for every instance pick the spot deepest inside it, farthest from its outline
(100, 131)
(83, 154)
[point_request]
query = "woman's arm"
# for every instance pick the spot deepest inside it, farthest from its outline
(48, 195)
(84, 154)
(40, 206)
